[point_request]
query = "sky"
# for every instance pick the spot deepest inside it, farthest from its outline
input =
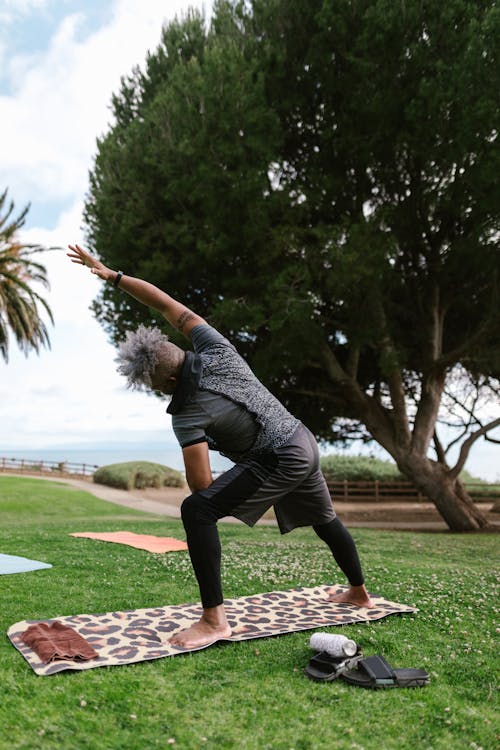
(60, 62)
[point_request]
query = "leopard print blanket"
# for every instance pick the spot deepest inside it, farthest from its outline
(142, 634)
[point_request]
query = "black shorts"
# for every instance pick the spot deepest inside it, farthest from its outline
(289, 479)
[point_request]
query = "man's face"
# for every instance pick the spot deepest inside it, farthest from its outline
(163, 383)
(163, 379)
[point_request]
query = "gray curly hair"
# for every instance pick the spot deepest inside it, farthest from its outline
(140, 354)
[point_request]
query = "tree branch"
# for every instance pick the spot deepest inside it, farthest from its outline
(492, 440)
(376, 418)
(353, 362)
(433, 382)
(440, 452)
(457, 439)
(395, 382)
(333, 366)
(437, 326)
(451, 358)
(427, 412)
(467, 445)
(468, 410)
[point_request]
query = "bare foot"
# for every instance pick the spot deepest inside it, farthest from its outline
(212, 626)
(357, 595)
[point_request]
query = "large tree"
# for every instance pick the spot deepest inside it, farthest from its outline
(20, 304)
(319, 178)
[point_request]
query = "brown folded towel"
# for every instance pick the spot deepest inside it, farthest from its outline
(57, 641)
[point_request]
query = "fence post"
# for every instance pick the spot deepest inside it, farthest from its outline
(376, 491)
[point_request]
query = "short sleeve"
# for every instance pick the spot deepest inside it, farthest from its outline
(204, 337)
(189, 427)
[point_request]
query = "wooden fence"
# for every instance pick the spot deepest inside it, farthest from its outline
(342, 491)
(54, 468)
(400, 492)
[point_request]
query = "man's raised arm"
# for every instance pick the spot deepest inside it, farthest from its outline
(177, 314)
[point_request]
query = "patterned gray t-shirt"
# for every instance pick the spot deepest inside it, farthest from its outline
(230, 409)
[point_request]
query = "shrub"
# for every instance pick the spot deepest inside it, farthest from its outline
(137, 475)
(337, 467)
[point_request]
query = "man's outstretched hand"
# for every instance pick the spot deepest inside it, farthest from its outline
(78, 255)
(177, 314)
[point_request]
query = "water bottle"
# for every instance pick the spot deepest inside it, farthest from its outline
(334, 645)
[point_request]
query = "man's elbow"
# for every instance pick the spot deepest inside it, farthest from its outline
(197, 485)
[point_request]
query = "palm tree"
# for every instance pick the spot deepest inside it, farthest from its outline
(19, 303)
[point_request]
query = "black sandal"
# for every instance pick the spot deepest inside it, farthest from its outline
(375, 672)
(324, 668)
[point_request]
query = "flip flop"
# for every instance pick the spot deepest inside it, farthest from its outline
(324, 668)
(375, 672)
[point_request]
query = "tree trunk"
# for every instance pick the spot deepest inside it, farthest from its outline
(448, 494)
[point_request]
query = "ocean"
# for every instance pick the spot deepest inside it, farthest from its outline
(483, 461)
(166, 455)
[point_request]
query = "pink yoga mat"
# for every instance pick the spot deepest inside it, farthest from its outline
(139, 541)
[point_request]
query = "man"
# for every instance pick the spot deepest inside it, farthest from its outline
(217, 402)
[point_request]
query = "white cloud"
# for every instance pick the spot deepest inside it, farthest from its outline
(49, 127)
(71, 392)
(61, 99)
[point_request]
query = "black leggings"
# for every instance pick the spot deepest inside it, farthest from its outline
(343, 549)
(200, 522)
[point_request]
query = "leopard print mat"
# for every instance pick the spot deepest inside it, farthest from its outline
(142, 634)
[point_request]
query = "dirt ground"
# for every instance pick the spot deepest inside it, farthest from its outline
(387, 515)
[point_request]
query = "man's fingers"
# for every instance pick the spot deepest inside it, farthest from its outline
(78, 251)
(78, 255)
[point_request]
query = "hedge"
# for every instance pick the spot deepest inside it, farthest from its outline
(337, 467)
(137, 475)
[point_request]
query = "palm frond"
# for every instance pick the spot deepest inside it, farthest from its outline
(19, 303)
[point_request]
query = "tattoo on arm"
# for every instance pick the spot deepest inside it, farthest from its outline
(184, 318)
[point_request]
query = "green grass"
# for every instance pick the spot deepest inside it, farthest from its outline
(250, 695)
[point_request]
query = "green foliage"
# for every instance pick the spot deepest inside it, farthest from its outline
(358, 468)
(310, 176)
(138, 475)
(319, 180)
(184, 169)
(234, 696)
(19, 302)
(337, 467)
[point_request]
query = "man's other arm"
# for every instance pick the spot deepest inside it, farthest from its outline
(197, 466)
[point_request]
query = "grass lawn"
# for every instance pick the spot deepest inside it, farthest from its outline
(251, 695)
